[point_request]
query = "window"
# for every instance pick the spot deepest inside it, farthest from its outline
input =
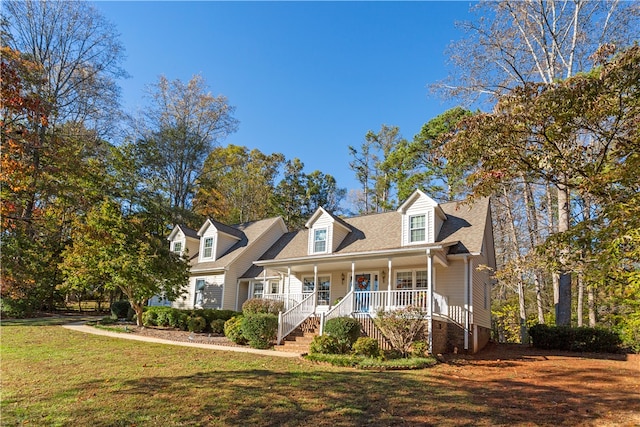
(207, 247)
(199, 297)
(422, 279)
(177, 247)
(324, 284)
(307, 285)
(404, 280)
(320, 240)
(417, 230)
(275, 286)
(258, 289)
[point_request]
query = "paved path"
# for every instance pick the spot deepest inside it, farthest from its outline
(81, 327)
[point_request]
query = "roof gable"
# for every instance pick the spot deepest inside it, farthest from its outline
(221, 228)
(334, 219)
(188, 232)
(426, 200)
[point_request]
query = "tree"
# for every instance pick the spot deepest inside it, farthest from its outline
(289, 196)
(182, 125)
(525, 42)
(581, 132)
(416, 165)
(322, 191)
(119, 252)
(374, 170)
(236, 184)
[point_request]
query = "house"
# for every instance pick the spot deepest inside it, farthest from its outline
(423, 254)
(219, 255)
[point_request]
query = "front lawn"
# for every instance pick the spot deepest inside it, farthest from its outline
(54, 376)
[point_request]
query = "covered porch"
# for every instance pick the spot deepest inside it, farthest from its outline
(357, 286)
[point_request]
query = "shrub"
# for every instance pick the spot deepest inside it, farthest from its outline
(233, 330)
(261, 305)
(574, 339)
(402, 327)
(324, 344)
(149, 318)
(419, 349)
(197, 323)
(107, 321)
(163, 318)
(367, 347)
(345, 329)
(119, 309)
(217, 326)
(223, 314)
(260, 329)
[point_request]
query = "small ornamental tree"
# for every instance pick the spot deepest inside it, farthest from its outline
(402, 327)
(125, 256)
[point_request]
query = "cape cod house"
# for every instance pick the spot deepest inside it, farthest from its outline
(423, 254)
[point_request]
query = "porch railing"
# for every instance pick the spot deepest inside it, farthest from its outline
(290, 300)
(292, 318)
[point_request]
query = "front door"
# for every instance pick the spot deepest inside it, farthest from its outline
(364, 283)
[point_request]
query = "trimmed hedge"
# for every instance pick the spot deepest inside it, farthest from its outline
(345, 329)
(582, 339)
(261, 305)
(367, 347)
(217, 326)
(324, 344)
(260, 329)
(197, 324)
(233, 330)
(177, 318)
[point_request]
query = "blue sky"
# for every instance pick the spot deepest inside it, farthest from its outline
(307, 79)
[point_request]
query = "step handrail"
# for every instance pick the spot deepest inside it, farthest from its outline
(343, 308)
(292, 318)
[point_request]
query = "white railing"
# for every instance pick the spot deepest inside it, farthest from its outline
(342, 309)
(292, 318)
(290, 300)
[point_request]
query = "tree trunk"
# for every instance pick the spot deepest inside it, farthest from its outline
(591, 298)
(563, 305)
(580, 298)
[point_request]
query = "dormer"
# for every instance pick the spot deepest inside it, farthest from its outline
(326, 232)
(183, 240)
(216, 239)
(422, 219)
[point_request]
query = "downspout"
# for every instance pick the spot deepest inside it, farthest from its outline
(237, 293)
(466, 302)
(430, 299)
(353, 284)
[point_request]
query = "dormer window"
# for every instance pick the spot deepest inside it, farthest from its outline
(207, 247)
(177, 247)
(320, 240)
(417, 229)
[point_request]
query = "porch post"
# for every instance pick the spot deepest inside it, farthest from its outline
(287, 291)
(315, 287)
(264, 282)
(430, 301)
(353, 275)
(388, 284)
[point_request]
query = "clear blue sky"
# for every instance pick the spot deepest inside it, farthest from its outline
(307, 79)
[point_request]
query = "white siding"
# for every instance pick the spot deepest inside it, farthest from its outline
(213, 293)
(223, 244)
(450, 282)
(324, 221)
(338, 235)
(417, 209)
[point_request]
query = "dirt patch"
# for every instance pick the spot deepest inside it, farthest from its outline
(536, 387)
(182, 336)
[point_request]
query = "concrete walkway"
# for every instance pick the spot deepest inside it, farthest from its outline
(81, 327)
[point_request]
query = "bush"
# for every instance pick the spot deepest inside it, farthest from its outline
(345, 329)
(574, 339)
(324, 344)
(149, 318)
(261, 305)
(120, 309)
(402, 327)
(223, 314)
(367, 347)
(419, 349)
(163, 318)
(233, 330)
(260, 329)
(217, 326)
(197, 324)
(177, 318)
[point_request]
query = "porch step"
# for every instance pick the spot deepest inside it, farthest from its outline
(300, 339)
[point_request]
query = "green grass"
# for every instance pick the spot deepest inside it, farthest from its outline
(54, 376)
(372, 363)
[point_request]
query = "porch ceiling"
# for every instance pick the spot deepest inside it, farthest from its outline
(373, 263)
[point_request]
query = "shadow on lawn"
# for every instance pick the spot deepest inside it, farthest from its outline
(341, 398)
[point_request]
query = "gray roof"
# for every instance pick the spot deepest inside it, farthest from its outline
(464, 227)
(189, 232)
(248, 232)
(233, 230)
